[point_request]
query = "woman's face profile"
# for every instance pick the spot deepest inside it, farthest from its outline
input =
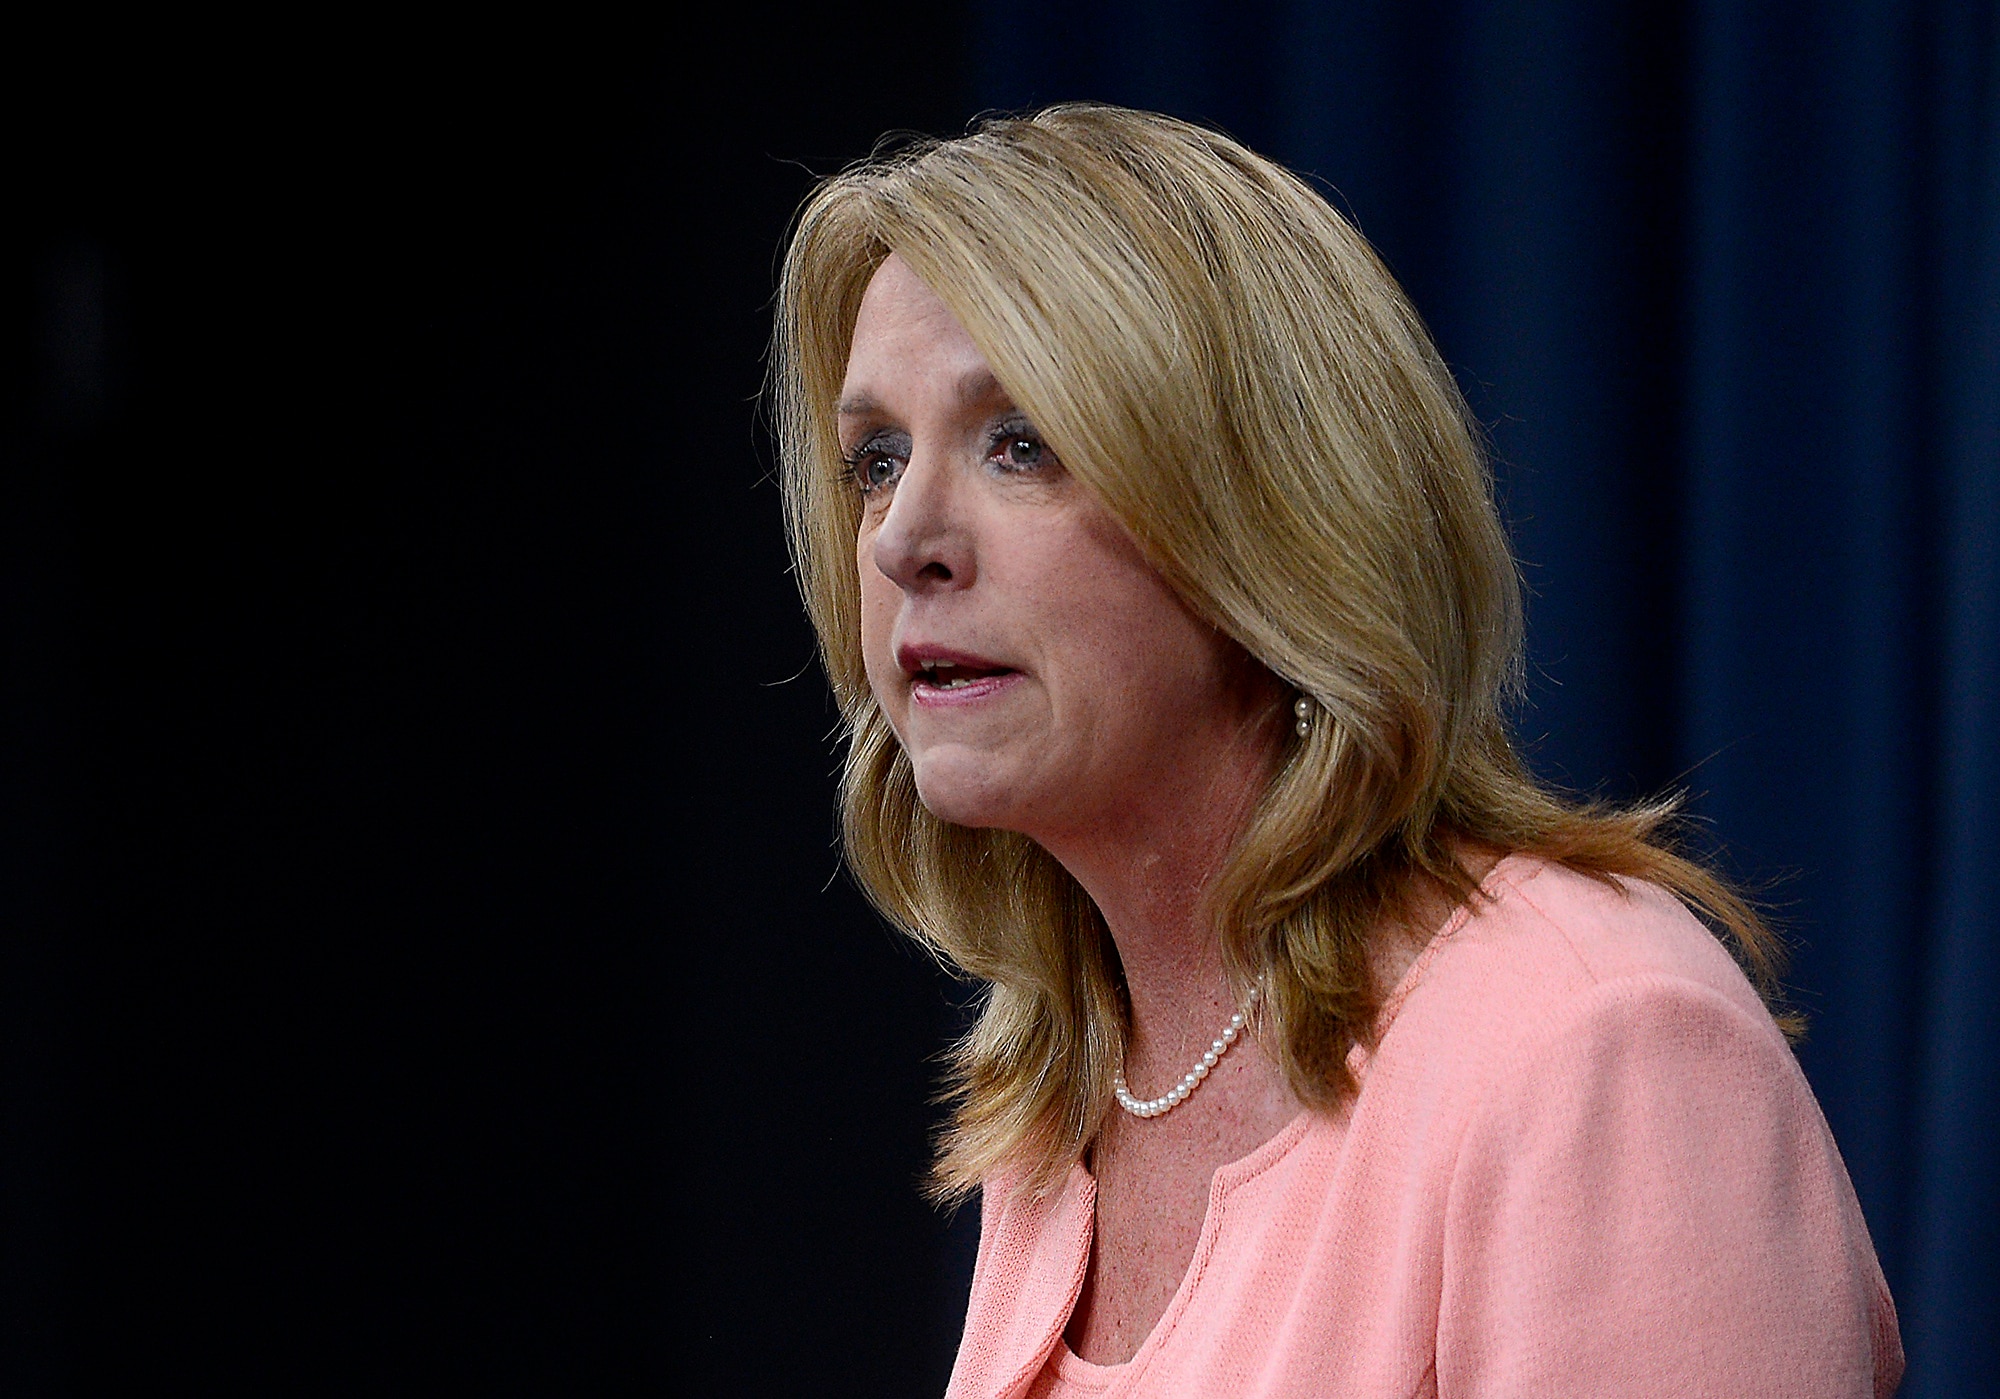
(1038, 671)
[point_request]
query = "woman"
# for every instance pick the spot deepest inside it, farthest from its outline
(1157, 573)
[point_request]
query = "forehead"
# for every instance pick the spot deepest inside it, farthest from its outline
(907, 343)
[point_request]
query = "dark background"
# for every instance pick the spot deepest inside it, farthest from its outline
(423, 957)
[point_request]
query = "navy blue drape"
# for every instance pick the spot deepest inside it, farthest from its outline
(1723, 279)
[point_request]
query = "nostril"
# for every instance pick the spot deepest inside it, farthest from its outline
(936, 572)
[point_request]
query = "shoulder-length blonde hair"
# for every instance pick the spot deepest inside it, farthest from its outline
(1222, 358)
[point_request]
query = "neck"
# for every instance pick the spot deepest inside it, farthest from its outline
(1148, 861)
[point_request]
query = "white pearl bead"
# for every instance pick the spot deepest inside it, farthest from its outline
(1191, 1080)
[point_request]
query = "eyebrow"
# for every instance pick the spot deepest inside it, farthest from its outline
(972, 386)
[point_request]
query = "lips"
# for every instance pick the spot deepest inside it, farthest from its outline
(955, 677)
(937, 674)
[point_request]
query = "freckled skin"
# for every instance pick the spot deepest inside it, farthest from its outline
(1132, 746)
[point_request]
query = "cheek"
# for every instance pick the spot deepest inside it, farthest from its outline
(1113, 602)
(878, 621)
(1124, 632)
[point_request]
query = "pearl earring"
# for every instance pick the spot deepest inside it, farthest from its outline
(1303, 709)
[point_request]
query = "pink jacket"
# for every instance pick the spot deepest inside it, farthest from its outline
(1582, 1162)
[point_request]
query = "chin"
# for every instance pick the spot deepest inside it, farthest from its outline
(963, 793)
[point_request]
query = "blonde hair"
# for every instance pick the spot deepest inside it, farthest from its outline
(1223, 360)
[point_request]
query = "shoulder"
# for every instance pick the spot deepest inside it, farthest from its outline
(1626, 1155)
(1550, 980)
(1544, 948)
(1587, 931)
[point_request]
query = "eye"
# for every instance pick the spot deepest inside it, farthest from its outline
(1018, 449)
(874, 469)
(874, 465)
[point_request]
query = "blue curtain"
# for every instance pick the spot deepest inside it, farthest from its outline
(1723, 279)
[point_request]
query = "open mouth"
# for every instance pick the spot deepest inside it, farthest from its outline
(949, 675)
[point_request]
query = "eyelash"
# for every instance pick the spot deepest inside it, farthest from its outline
(998, 441)
(852, 463)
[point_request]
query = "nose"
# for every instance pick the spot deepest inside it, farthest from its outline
(925, 543)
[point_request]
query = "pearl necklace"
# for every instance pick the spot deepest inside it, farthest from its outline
(1178, 1094)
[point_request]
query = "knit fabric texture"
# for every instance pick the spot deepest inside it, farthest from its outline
(1583, 1161)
